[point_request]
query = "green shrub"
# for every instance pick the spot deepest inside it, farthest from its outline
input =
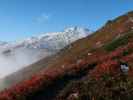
(123, 40)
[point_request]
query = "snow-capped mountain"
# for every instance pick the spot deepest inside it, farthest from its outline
(55, 41)
(51, 42)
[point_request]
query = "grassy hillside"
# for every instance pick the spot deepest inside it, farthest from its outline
(106, 81)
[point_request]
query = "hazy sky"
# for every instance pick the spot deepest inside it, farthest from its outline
(23, 18)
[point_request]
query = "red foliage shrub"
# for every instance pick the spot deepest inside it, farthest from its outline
(108, 67)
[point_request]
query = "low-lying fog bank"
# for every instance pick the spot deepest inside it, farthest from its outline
(11, 61)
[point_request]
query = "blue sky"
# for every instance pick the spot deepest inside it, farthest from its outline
(23, 18)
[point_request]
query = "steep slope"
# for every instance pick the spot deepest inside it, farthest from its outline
(84, 57)
(107, 75)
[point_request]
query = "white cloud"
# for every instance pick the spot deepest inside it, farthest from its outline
(43, 18)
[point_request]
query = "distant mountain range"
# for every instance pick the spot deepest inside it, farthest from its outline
(17, 55)
(50, 42)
